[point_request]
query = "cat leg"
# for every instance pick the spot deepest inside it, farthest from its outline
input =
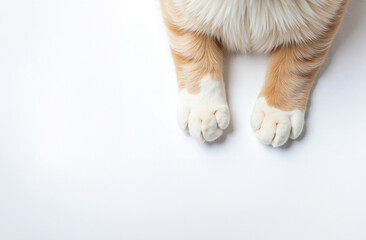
(280, 108)
(202, 105)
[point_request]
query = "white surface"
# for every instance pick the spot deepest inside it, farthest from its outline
(90, 148)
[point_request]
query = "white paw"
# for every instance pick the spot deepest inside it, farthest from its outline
(274, 126)
(204, 115)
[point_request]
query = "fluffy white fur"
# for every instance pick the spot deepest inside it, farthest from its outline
(274, 126)
(206, 114)
(256, 25)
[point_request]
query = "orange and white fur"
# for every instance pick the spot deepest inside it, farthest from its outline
(296, 33)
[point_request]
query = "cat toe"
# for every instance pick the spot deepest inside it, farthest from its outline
(222, 116)
(210, 129)
(182, 118)
(297, 123)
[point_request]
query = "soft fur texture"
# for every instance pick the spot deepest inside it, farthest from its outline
(296, 33)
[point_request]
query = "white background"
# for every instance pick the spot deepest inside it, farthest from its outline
(90, 148)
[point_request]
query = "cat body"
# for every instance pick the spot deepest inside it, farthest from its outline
(297, 34)
(257, 25)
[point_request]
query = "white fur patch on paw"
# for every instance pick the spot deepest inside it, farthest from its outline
(204, 115)
(274, 126)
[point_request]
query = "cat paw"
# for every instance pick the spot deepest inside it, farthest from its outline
(206, 114)
(274, 126)
(205, 123)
